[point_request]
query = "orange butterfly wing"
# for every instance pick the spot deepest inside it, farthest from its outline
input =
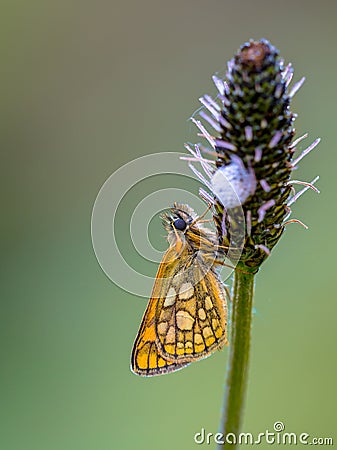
(145, 359)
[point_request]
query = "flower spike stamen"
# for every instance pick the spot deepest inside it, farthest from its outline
(204, 132)
(214, 124)
(301, 192)
(304, 183)
(298, 140)
(306, 151)
(297, 86)
(296, 221)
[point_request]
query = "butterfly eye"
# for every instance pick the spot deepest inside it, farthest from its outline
(179, 224)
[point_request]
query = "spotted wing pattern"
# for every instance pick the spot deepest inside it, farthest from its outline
(146, 359)
(192, 318)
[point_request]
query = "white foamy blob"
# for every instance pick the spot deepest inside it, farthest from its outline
(233, 184)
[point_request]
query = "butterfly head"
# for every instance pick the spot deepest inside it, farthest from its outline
(177, 222)
(179, 218)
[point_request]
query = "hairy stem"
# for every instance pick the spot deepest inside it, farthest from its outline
(237, 372)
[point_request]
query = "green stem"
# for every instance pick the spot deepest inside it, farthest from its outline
(237, 372)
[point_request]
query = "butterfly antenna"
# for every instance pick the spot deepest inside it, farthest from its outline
(202, 215)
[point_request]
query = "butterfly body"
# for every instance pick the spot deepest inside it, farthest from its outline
(186, 317)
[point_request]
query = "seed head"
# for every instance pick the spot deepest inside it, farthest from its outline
(253, 142)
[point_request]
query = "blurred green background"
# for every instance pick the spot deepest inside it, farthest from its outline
(85, 88)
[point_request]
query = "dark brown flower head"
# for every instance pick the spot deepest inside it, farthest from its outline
(253, 140)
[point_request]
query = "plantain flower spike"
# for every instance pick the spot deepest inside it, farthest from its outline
(249, 129)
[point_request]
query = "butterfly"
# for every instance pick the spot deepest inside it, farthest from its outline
(186, 317)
